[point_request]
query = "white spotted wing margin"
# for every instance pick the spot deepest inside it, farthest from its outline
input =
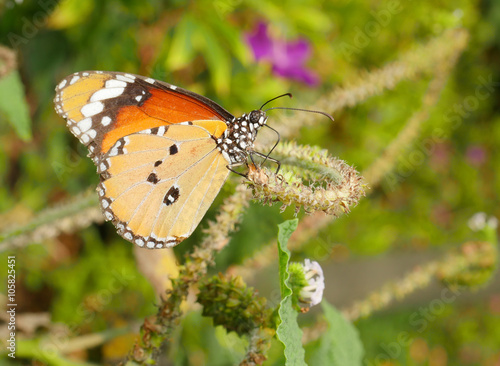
(156, 185)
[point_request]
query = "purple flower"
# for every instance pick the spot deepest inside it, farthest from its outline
(286, 58)
(475, 155)
(440, 157)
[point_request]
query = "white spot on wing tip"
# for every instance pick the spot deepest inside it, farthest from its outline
(74, 79)
(62, 84)
(113, 83)
(106, 93)
(126, 77)
(91, 109)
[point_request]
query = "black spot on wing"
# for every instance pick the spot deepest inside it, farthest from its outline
(158, 163)
(172, 196)
(153, 178)
(174, 149)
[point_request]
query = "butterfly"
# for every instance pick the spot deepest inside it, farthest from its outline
(162, 152)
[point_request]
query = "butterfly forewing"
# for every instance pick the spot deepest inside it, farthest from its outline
(102, 107)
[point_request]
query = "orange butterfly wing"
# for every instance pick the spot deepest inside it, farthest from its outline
(155, 147)
(102, 107)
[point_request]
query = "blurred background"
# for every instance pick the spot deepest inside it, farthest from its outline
(240, 54)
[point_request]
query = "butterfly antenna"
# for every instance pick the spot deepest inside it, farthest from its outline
(302, 110)
(279, 96)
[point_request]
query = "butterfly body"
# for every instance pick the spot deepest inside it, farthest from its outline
(239, 137)
(162, 152)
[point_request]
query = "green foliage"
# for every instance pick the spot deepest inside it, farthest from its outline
(340, 344)
(288, 330)
(13, 106)
(197, 336)
(231, 304)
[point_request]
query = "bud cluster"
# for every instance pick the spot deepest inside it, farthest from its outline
(232, 304)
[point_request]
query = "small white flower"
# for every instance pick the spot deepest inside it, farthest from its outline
(480, 220)
(312, 294)
(492, 222)
(458, 13)
(477, 221)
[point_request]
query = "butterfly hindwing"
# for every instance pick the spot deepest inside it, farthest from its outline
(157, 184)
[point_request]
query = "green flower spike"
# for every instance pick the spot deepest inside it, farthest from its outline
(233, 305)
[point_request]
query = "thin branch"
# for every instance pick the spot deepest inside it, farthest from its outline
(471, 257)
(75, 214)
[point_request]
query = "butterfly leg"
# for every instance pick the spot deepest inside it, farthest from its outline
(276, 144)
(266, 157)
(231, 166)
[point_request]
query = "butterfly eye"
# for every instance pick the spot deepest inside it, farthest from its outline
(257, 117)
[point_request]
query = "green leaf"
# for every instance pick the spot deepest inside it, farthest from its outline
(13, 105)
(285, 230)
(231, 36)
(181, 51)
(340, 344)
(218, 59)
(288, 332)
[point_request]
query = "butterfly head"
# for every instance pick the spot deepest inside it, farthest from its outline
(257, 118)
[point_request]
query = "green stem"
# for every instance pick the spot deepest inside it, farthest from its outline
(71, 215)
